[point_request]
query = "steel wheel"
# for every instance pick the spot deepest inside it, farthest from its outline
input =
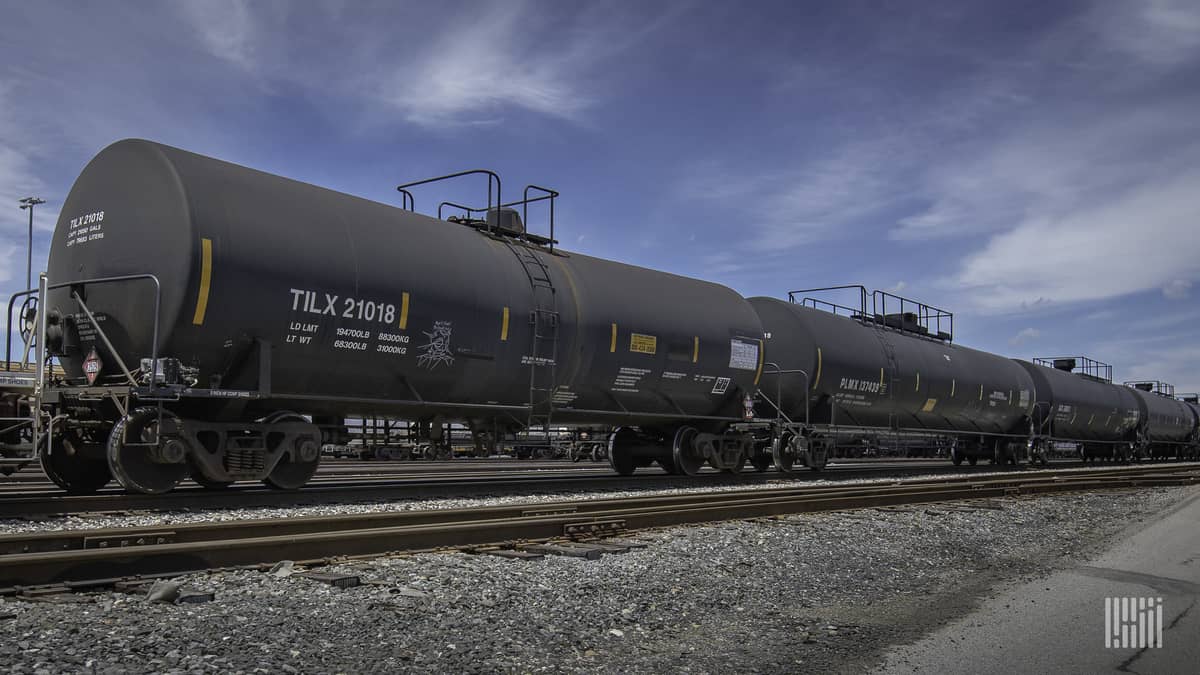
(289, 473)
(66, 462)
(683, 451)
(783, 452)
(956, 457)
(133, 461)
(619, 457)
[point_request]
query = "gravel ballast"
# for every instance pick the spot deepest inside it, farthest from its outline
(89, 521)
(825, 591)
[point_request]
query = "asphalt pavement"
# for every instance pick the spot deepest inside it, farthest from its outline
(1057, 624)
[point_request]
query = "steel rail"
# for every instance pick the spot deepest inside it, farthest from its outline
(330, 491)
(179, 549)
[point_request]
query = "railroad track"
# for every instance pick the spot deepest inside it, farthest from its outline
(336, 490)
(72, 560)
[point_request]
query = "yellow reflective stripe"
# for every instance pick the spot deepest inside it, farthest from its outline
(758, 373)
(953, 386)
(504, 326)
(205, 281)
(612, 346)
(403, 311)
(981, 392)
(881, 378)
(695, 349)
(817, 379)
(918, 387)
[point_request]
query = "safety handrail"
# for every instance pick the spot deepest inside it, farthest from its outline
(774, 369)
(526, 201)
(862, 291)
(45, 288)
(492, 177)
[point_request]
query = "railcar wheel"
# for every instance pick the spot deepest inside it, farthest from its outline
(972, 460)
(687, 457)
(956, 456)
(783, 452)
(289, 474)
(139, 459)
(619, 457)
(297, 467)
(74, 464)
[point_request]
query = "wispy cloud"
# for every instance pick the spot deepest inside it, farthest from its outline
(1140, 240)
(1177, 289)
(1161, 32)
(227, 29)
(801, 203)
(1023, 336)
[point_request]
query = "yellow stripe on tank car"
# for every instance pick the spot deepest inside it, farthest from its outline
(758, 373)
(205, 281)
(918, 387)
(981, 392)
(404, 311)
(612, 346)
(817, 379)
(504, 326)
(953, 387)
(695, 349)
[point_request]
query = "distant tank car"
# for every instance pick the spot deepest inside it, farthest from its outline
(1077, 403)
(202, 319)
(859, 367)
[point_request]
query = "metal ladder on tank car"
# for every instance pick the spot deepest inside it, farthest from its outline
(543, 350)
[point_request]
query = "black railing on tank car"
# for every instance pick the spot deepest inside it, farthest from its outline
(929, 319)
(772, 368)
(1153, 387)
(816, 303)
(409, 203)
(470, 211)
(1077, 364)
(492, 177)
(912, 316)
(41, 333)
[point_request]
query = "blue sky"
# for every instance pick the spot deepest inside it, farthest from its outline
(1033, 167)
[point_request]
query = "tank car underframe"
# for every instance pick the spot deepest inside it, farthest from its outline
(149, 443)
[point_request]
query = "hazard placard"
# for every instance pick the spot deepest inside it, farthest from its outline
(91, 366)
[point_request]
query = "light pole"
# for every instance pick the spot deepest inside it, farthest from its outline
(29, 203)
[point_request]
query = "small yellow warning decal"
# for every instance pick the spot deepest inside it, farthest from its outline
(929, 403)
(643, 344)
